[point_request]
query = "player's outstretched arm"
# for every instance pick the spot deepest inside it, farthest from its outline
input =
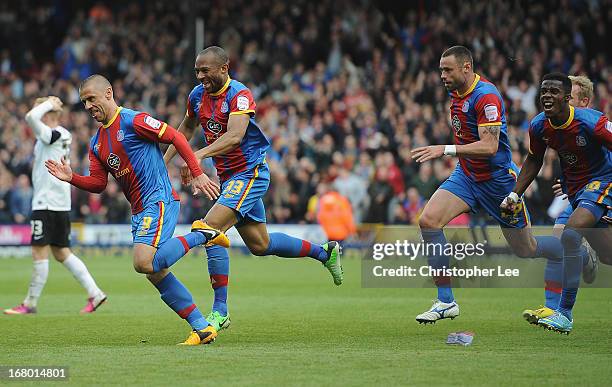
(95, 182)
(187, 127)
(485, 147)
(151, 129)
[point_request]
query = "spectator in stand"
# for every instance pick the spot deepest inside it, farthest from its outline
(335, 215)
(20, 200)
(349, 77)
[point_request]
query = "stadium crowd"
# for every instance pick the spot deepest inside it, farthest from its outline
(344, 89)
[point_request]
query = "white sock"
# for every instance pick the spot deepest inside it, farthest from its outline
(80, 272)
(40, 272)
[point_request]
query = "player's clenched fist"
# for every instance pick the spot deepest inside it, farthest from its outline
(558, 189)
(203, 184)
(426, 153)
(508, 205)
(60, 170)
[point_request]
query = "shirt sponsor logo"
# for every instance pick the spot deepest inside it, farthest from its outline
(113, 161)
(609, 126)
(568, 157)
(491, 113)
(242, 103)
(581, 141)
(152, 122)
(123, 172)
(120, 135)
(213, 126)
(465, 107)
(456, 124)
(224, 107)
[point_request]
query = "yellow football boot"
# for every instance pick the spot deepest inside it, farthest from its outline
(532, 316)
(213, 236)
(204, 336)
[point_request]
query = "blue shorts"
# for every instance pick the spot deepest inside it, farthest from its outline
(488, 195)
(244, 191)
(155, 224)
(595, 197)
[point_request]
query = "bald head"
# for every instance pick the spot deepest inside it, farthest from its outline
(96, 93)
(97, 81)
(216, 53)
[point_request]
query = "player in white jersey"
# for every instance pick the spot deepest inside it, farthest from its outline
(51, 209)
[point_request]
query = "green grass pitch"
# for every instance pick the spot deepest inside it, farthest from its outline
(292, 326)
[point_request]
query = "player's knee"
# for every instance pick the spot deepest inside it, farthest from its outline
(570, 238)
(143, 267)
(258, 248)
(429, 221)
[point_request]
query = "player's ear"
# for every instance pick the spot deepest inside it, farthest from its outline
(109, 93)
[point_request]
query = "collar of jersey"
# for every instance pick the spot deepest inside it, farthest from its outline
(472, 87)
(221, 90)
(114, 117)
(567, 123)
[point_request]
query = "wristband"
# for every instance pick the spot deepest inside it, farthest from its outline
(450, 150)
(514, 197)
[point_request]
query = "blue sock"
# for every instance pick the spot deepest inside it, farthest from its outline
(549, 247)
(178, 298)
(437, 261)
(174, 249)
(285, 246)
(572, 268)
(218, 269)
(568, 299)
(552, 279)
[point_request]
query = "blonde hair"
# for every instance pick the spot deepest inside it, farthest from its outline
(585, 84)
(40, 100)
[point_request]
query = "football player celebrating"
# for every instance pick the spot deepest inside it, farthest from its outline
(583, 140)
(126, 145)
(225, 109)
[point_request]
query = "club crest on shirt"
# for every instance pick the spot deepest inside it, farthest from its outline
(568, 157)
(456, 124)
(113, 161)
(465, 107)
(213, 126)
(120, 135)
(224, 107)
(581, 141)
